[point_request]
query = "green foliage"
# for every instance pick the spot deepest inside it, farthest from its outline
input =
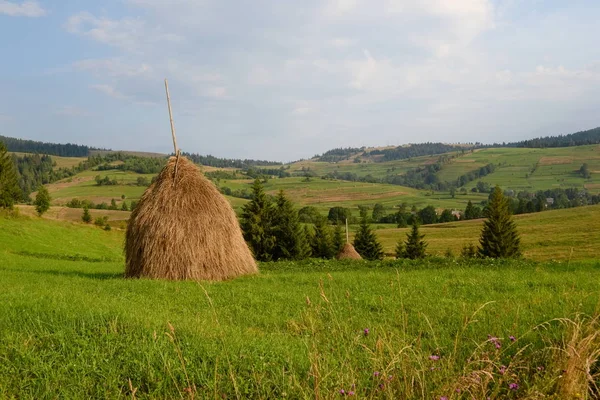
(446, 216)
(288, 233)
(9, 185)
(400, 249)
(428, 215)
(101, 221)
(366, 242)
(338, 238)
(256, 223)
(415, 246)
(113, 205)
(308, 215)
(584, 171)
(338, 215)
(124, 207)
(321, 242)
(86, 217)
(142, 181)
(42, 200)
(469, 251)
(499, 236)
(378, 212)
(472, 212)
(106, 181)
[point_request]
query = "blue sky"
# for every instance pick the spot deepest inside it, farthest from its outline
(284, 80)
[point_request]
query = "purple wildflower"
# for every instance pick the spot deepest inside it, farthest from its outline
(434, 357)
(376, 373)
(366, 331)
(342, 391)
(390, 377)
(444, 398)
(351, 393)
(502, 369)
(540, 368)
(513, 386)
(512, 338)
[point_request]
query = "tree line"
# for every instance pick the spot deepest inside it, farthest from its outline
(54, 149)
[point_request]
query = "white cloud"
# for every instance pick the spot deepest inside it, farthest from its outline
(129, 34)
(24, 9)
(113, 67)
(109, 91)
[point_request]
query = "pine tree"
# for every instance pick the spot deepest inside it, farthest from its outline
(499, 236)
(289, 235)
(308, 238)
(366, 243)
(256, 223)
(124, 207)
(338, 238)
(321, 244)
(86, 217)
(415, 245)
(42, 200)
(10, 192)
(400, 250)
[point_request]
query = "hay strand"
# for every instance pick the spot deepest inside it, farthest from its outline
(348, 252)
(185, 231)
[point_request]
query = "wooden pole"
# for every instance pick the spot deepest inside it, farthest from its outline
(171, 118)
(347, 236)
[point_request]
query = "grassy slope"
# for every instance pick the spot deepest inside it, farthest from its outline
(557, 167)
(550, 235)
(77, 329)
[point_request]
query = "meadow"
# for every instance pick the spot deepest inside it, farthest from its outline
(72, 327)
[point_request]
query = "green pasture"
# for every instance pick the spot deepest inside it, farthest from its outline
(72, 327)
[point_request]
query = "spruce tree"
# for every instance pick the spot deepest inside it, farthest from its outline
(86, 217)
(415, 245)
(10, 192)
(288, 233)
(400, 250)
(256, 223)
(321, 244)
(499, 236)
(42, 200)
(306, 245)
(366, 243)
(338, 238)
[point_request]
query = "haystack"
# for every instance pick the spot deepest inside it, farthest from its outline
(183, 228)
(348, 253)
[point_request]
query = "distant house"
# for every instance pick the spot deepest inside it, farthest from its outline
(549, 201)
(457, 214)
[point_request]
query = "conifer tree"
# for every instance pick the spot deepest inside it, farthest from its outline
(400, 249)
(42, 200)
(338, 238)
(288, 233)
(86, 217)
(10, 192)
(308, 238)
(366, 243)
(321, 244)
(124, 207)
(415, 245)
(499, 236)
(256, 223)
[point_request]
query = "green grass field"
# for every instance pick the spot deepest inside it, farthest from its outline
(72, 327)
(562, 235)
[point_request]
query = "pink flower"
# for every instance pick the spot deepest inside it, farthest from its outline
(434, 357)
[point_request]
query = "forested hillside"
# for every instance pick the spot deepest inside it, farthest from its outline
(54, 149)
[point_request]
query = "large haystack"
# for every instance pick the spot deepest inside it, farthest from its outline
(348, 253)
(183, 228)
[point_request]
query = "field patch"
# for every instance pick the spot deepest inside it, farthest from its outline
(555, 160)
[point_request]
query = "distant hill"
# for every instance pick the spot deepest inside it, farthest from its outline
(591, 136)
(53, 149)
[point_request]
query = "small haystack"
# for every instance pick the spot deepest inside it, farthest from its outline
(348, 253)
(183, 228)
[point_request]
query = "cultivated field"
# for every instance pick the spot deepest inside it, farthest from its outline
(70, 324)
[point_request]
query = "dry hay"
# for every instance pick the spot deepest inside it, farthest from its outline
(348, 253)
(557, 160)
(183, 228)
